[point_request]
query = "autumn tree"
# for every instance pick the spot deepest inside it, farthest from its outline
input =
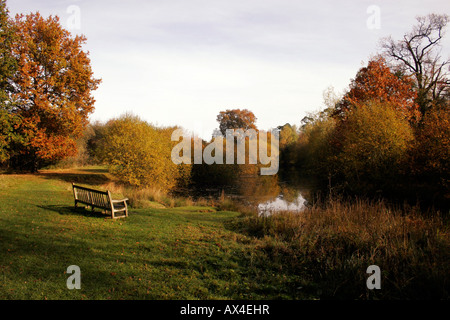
(418, 54)
(236, 119)
(227, 174)
(51, 90)
(377, 82)
(374, 145)
(139, 154)
(8, 65)
(94, 142)
(288, 140)
(314, 149)
(430, 155)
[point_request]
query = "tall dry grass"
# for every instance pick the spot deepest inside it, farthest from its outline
(333, 244)
(147, 197)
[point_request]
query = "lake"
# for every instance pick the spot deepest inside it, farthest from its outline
(267, 194)
(274, 194)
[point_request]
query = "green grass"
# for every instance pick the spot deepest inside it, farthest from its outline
(155, 253)
(210, 251)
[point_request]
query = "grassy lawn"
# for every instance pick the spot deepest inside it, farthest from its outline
(155, 253)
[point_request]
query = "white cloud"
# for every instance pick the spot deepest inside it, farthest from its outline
(181, 62)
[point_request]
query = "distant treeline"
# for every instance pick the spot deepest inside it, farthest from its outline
(388, 135)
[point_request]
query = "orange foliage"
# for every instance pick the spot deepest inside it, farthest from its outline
(376, 82)
(431, 152)
(236, 119)
(374, 143)
(53, 88)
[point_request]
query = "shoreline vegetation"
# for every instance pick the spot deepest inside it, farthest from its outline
(323, 250)
(379, 153)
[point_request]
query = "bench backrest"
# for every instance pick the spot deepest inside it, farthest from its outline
(97, 198)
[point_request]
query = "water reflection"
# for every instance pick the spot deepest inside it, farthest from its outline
(269, 194)
(280, 204)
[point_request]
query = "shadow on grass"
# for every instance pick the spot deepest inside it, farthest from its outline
(88, 178)
(49, 278)
(75, 211)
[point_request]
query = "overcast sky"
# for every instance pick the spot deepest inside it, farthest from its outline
(180, 62)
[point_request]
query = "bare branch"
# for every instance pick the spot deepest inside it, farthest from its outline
(418, 54)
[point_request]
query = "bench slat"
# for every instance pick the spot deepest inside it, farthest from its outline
(98, 199)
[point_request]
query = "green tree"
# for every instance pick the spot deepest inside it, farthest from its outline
(8, 65)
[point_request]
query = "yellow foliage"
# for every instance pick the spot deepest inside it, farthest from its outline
(140, 154)
(374, 141)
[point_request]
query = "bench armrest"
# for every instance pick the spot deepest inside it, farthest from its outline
(122, 200)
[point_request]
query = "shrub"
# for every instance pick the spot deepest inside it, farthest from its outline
(139, 154)
(430, 156)
(314, 148)
(373, 142)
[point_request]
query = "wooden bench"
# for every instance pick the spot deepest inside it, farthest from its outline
(101, 200)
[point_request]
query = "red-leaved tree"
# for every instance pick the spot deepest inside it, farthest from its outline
(236, 119)
(52, 91)
(377, 82)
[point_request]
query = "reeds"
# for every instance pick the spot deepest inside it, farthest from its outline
(148, 197)
(333, 243)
